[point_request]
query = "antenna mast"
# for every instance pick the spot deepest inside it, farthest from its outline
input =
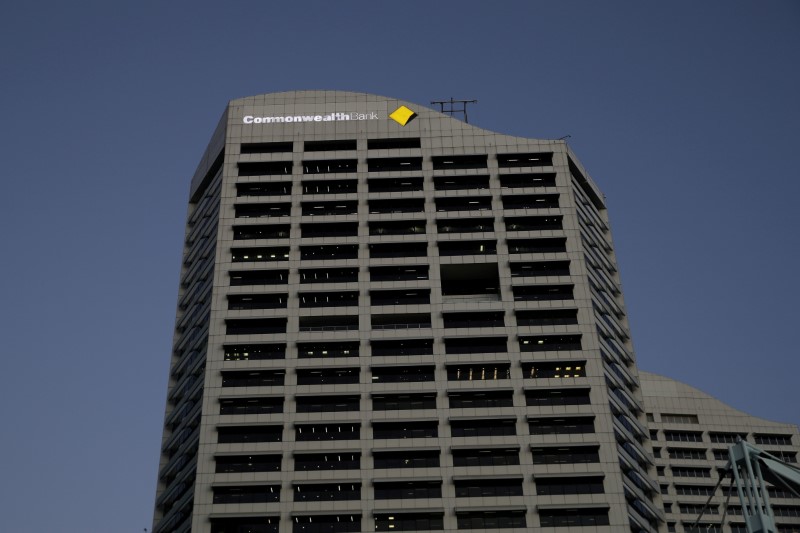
(450, 107)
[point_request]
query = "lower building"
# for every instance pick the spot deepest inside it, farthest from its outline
(690, 432)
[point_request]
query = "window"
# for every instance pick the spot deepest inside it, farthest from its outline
(254, 352)
(346, 523)
(687, 453)
(320, 432)
(490, 519)
(569, 485)
(247, 494)
(530, 201)
(694, 490)
(480, 399)
(401, 321)
(282, 209)
(454, 248)
(565, 455)
(241, 434)
(485, 319)
(397, 227)
(328, 299)
(397, 402)
(519, 181)
(400, 297)
(398, 249)
(327, 376)
(547, 343)
(342, 207)
(478, 372)
(253, 255)
(488, 487)
(329, 146)
(239, 302)
(554, 369)
(534, 223)
(261, 231)
(417, 429)
(328, 275)
(550, 397)
(561, 426)
(679, 419)
(460, 162)
(402, 347)
(396, 521)
(265, 168)
(458, 183)
(394, 205)
(726, 438)
(393, 144)
(467, 345)
(309, 350)
(253, 378)
(330, 166)
(394, 164)
(541, 159)
(330, 187)
(327, 404)
(683, 436)
(486, 457)
(537, 246)
(323, 492)
(398, 273)
(327, 461)
(540, 293)
(258, 277)
(685, 471)
(327, 252)
(465, 225)
(768, 438)
(587, 516)
(485, 427)
(329, 323)
(328, 229)
(547, 317)
(250, 406)
(540, 268)
(403, 374)
(406, 459)
(250, 524)
(226, 464)
(379, 185)
(463, 203)
(407, 490)
(696, 508)
(265, 148)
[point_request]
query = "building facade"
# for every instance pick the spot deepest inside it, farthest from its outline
(391, 320)
(691, 433)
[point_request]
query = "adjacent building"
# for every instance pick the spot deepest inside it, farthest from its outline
(391, 320)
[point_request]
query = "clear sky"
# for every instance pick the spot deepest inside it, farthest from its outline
(685, 113)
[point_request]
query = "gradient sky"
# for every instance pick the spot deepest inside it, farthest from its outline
(685, 113)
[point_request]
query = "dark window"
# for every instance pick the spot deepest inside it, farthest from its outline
(226, 464)
(239, 302)
(330, 166)
(549, 397)
(465, 225)
(478, 488)
(397, 402)
(328, 299)
(463, 203)
(542, 268)
(537, 246)
(326, 524)
(266, 148)
(326, 492)
(406, 459)
(400, 297)
(573, 517)
(417, 429)
(327, 376)
(406, 205)
(254, 352)
(344, 207)
(266, 188)
(486, 319)
(539, 293)
(397, 227)
(685, 471)
(247, 494)
(328, 323)
(561, 426)
(453, 248)
(330, 187)
(465, 345)
(249, 406)
(565, 455)
(546, 343)
(554, 369)
(517, 181)
(265, 168)
(255, 326)
(457, 183)
(238, 434)
(398, 273)
(398, 249)
(402, 347)
(258, 277)
(485, 427)
(261, 231)
(327, 461)
(327, 404)
(547, 317)
(460, 162)
(407, 490)
(282, 209)
(327, 252)
(409, 521)
(328, 275)
(328, 229)
(481, 279)
(393, 144)
(533, 223)
(769, 438)
(402, 374)
(683, 436)
(569, 485)
(250, 524)
(667, 418)
(320, 432)
(480, 399)
(394, 164)
(726, 438)
(540, 159)
(478, 371)
(377, 185)
(491, 519)
(253, 378)
(694, 490)
(486, 457)
(309, 350)
(329, 146)
(530, 201)
(401, 321)
(250, 255)
(687, 453)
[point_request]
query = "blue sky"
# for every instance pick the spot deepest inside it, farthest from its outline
(685, 113)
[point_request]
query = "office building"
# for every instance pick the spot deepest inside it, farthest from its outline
(392, 320)
(691, 433)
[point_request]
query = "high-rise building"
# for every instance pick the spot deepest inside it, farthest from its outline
(691, 433)
(392, 320)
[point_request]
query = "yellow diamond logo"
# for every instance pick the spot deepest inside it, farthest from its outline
(402, 115)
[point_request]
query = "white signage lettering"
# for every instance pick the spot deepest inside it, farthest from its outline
(332, 117)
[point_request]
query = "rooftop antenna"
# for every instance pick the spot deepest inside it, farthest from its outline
(450, 107)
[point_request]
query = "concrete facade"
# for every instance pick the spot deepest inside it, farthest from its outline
(394, 325)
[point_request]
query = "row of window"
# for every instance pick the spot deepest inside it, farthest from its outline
(484, 427)
(403, 459)
(403, 401)
(721, 437)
